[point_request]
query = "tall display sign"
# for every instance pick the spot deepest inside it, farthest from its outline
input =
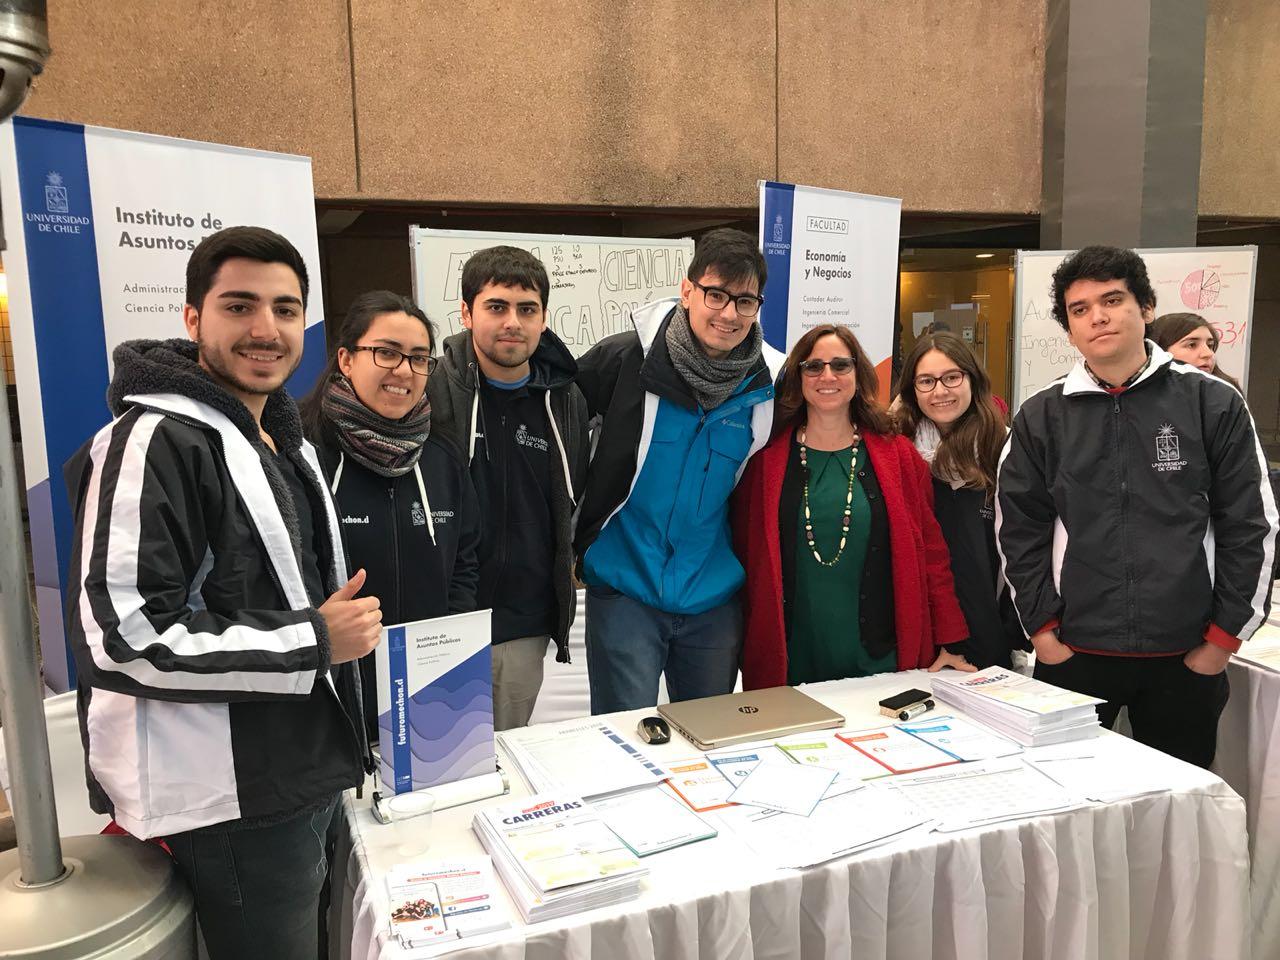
(832, 258)
(99, 225)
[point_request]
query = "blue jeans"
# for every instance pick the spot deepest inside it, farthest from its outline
(630, 645)
(259, 890)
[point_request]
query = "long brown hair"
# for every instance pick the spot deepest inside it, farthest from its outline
(1168, 328)
(865, 411)
(970, 449)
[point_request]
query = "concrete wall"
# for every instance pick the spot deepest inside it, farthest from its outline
(1239, 161)
(604, 102)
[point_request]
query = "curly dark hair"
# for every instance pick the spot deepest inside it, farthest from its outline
(1101, 264)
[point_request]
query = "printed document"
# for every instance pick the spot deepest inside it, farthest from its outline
(779, 783)
(653, 820)
(587, 759)
(853, 767)
(840, 825)
(896, 750)
(963, 739)
(972, 794)
(700, 785)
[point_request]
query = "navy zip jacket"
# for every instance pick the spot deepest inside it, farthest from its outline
(1138, 521)
(417, 571)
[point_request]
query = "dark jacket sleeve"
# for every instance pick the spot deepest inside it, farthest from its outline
(465, 580)
(1243, 512)
(134, 617)
(598, 371)
(1025, 517)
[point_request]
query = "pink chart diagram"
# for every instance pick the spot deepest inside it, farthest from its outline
(1200, 289)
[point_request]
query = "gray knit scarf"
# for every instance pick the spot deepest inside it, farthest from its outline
(712, 381)
(390, 448)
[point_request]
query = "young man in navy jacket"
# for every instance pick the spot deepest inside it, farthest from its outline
(1134, 516)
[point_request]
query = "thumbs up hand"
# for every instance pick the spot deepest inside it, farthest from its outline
(355, 623)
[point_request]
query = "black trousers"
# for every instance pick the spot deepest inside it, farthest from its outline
(1171, 707)
(258, 890)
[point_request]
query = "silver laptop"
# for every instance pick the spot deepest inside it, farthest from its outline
(755, 715)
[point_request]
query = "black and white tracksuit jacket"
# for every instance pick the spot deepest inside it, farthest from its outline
(1138, 521)
(205, 692)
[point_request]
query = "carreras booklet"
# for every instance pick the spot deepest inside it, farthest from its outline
(556, 841)
(435, 701)
(441, 900)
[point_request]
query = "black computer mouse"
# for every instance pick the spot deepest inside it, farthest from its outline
(653, 730)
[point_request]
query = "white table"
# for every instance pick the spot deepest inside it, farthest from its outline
(1248, 758)
(1161, 877)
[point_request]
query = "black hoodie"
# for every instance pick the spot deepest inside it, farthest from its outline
(526, 469)
(203, 664)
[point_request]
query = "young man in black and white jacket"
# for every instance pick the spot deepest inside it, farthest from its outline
(1134, 517)
(207, 608)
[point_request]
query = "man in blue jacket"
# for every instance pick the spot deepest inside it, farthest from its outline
(681, 402)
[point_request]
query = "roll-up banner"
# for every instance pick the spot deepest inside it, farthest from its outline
(832, 258)
(99, 225)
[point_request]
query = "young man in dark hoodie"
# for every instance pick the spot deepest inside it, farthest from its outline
(505, 395)
(213, 624)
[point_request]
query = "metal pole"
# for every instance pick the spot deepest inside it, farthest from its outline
(26, 741)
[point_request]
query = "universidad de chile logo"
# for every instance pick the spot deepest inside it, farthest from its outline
(55, 194)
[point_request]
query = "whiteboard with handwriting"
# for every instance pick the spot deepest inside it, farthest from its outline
(1215, 282)
(595, 281)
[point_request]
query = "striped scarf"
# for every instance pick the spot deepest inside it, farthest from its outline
(387, 447)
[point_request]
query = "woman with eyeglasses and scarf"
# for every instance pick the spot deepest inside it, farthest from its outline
(404, 499)
(847, 571)
(945, 406)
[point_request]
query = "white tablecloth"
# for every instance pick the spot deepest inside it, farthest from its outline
(1162, 877)
(1248, 759)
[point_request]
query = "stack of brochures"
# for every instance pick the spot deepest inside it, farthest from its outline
(1029, 711)
(442, 900)
(587, 759)
(557, 857)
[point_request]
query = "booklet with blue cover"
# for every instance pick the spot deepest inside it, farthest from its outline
(435, 701)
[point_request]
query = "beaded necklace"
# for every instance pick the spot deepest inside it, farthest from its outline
(848, 502)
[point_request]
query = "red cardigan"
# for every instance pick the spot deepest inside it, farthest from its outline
(926, 612)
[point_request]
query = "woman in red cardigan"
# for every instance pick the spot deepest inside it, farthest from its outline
(847, 571)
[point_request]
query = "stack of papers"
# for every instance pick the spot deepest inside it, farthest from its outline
(441, 900)
(839, 825)
(895, 750)
(699, 784)
(963, 739)
(853, 768)
(972, 794)
(653, 820)
(779, 783)
(557, 857)
(1029, 711)
(587, 759)
(1102, 769)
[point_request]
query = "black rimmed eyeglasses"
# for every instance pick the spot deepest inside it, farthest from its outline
(951, 379)
(390, 359)
(717, 298)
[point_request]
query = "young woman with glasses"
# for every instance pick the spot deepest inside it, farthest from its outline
(945, 406)
(847, 572)
(405, 502)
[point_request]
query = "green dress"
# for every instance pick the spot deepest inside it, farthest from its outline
(823, 639)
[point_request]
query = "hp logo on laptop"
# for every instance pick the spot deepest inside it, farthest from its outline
(748, 709)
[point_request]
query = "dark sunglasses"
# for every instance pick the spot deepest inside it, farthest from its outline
(839, 366)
